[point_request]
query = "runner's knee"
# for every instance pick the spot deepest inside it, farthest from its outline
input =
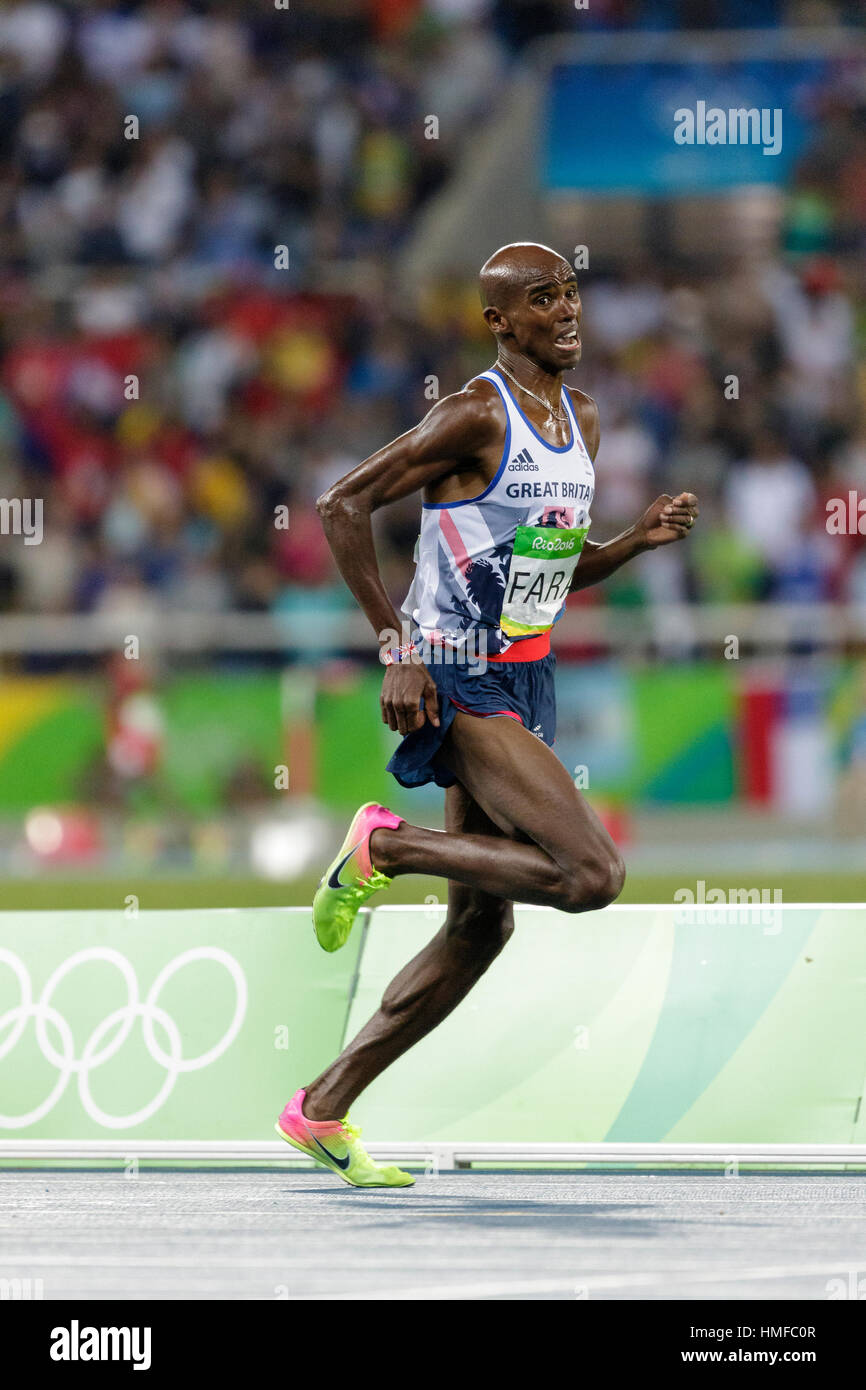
(598, 883)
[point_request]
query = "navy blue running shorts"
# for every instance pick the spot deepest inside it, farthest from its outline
(521, 690)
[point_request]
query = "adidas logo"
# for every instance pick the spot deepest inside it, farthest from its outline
(522, 463)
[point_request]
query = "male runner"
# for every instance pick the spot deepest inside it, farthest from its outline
(506, 469)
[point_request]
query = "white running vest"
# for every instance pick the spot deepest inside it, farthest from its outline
(504, 560)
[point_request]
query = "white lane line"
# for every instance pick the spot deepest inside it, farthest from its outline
(574, 1285)
(589, 1282)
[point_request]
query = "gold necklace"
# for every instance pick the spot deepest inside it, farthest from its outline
(562, 418)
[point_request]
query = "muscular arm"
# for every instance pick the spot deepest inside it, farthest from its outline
(446, 441)
(451, 442)
(666, 519)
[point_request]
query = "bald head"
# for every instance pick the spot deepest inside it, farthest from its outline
(532, 305)
(515, 268)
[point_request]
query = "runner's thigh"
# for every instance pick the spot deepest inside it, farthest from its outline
(521, 785)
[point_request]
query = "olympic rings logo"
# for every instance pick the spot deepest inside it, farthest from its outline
(97, 1051)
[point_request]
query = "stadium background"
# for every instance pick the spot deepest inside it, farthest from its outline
(154, 258)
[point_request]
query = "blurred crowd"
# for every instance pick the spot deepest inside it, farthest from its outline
(200, 210)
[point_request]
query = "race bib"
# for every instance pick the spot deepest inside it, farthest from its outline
(543, 562)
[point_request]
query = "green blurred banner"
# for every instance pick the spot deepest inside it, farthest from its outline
(163, 1024)
(636, 1024)
(654, 735)
(648, 1024)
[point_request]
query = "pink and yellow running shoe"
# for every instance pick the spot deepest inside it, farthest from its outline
(337, 1145)
(351, 879)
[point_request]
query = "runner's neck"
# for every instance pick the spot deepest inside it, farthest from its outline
(534, 378)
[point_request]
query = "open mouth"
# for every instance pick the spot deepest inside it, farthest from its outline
(568, 339)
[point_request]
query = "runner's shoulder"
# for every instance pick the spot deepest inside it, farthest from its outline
(586, 411)
(480, 399)
(472, 418)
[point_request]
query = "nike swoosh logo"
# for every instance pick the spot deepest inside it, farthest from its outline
(340, 1162)
(334, 880)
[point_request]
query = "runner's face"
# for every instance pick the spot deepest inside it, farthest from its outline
(545, 319)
